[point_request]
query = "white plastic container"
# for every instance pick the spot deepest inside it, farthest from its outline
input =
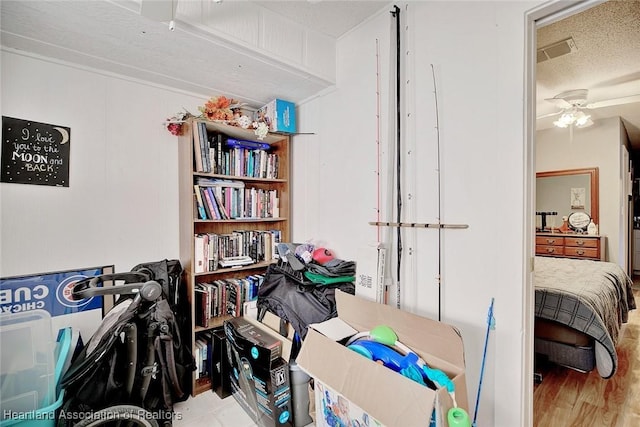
(27, 366)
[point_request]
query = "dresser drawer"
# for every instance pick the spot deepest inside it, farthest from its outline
(579, 246)
(550, 241)
(581, 242)
(581, 252)
(549, 250)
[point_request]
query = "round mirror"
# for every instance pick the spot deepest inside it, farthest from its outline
(579, 221)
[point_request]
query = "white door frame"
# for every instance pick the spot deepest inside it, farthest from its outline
(535, 18)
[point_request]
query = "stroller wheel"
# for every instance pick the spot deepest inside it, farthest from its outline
(120, 416)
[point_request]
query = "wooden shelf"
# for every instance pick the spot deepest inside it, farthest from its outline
(235, 220)
(216, 323)
(201, 385)
(238, 178)
(240, 133)
(190, 224)
(257, 265)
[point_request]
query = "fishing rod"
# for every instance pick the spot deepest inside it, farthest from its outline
(396, 14)
(491, 324)
(439, 277)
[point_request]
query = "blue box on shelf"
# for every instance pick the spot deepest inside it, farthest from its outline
(280, 115)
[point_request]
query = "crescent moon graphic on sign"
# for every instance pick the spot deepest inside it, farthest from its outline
(64, 133)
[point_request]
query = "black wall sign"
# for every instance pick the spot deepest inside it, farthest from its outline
(35, 153)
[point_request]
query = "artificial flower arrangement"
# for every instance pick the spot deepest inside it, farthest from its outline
(175, 124)
(219, 109)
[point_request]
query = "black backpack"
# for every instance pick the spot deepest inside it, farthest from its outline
(169, 274)
(294, 299)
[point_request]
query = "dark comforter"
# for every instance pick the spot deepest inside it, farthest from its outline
(593, 297)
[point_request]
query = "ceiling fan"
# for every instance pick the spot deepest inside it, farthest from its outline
(573, 104)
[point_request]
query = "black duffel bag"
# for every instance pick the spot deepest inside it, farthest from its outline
(296, 300)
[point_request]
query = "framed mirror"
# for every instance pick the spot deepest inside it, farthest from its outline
(568, 191)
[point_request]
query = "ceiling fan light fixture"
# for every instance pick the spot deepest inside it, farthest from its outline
(586, 123)
(565, 120)
(573, 117)
(583, 120)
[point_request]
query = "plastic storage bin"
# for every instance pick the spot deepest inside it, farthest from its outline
(31, 368)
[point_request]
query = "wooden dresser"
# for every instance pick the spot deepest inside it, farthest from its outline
(581, 246)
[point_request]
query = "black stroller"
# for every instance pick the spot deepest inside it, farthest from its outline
(135, 365)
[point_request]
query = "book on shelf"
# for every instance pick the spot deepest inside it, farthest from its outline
(203, 355)
(236, 261)
(200, 246)
(212, 302)
(206, 206)
(268, 246)
(197, 358)
(213, 151)
(214, 288)
(201, 300)
(213, 252)
(204, 146)
(197, 151)
(208, 203)
(204, 181)
(254, 282)
(275, 204)
(206, 338)
(219, 154)
(217, 194)
(276, 237)
(234, 298)
(246, 144)
(199, 202)
(211, 198)
(222, 297)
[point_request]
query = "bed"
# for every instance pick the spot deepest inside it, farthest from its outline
(580, 306)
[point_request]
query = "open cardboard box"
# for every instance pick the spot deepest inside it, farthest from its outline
(385, 395)
(300, 394)
(270, 325)
(260, 380)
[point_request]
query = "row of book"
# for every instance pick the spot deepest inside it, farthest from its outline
(220, 201)
(211, 248)
(216, 153)
(249, 163)
(203, 350)
(224, 297)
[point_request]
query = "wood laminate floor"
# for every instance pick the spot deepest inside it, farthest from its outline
(569, 398)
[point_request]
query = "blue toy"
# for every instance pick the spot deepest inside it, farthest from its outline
(381, 345)
(407, 365)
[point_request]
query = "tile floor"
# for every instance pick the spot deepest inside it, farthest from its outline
(208, 410)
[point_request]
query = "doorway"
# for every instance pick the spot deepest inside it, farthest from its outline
(544, 15)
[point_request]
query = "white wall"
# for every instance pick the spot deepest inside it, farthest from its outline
(596, 146)
(477, 52)
(120, 206)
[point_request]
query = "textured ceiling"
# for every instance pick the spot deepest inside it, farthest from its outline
(606, 62)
